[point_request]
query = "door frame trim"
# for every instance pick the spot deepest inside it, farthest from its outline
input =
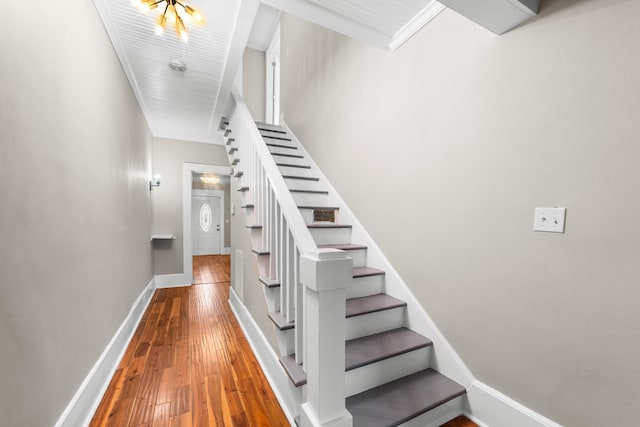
(187, 169)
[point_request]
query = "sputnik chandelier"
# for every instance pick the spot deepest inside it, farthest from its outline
(171, 14)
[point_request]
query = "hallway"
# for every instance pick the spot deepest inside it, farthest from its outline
(188, 364)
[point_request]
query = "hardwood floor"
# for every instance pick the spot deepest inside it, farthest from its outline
(211, 269)
(189, 364)
(460, 421)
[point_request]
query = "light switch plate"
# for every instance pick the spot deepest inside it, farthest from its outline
(549, 219)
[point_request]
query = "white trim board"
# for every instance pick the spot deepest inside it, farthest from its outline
(84, 403)
(267, 358)
(187, 170)
(487, 407)
(171, 280)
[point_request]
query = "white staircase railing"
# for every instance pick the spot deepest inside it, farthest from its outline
(313, 281)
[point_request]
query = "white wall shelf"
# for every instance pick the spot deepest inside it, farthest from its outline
(163, 237)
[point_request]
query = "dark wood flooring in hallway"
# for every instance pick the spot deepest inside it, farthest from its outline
(188, 363)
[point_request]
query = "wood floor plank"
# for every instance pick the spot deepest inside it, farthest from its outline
(188, 363)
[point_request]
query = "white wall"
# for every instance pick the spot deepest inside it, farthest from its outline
(75, 208)
(253, 82)
(168, 157)
(444, 148)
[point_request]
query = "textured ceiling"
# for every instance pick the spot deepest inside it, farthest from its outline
(187, 105)
(176, 105)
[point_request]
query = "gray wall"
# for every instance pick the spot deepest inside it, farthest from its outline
(465, 133)
(75, 209)
(168, 159)
(253, 82)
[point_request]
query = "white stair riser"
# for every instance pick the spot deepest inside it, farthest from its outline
(307, 214)
(281, 150)
(290, 160)
(272, 295)
(363, 286)
(301, 184)
(256, 237)
(287, 170)
(359, 257)
(267, 132)
(375, 374)
(310, 199)
(263, 265)
(286, 341)
(373, 323)
(439, 415)
(324, 236)
(249, 215)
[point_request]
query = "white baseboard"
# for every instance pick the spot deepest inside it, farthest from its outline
(486, 407)
(84, 403)
(225, 251)
(267, 358)
(171, 280)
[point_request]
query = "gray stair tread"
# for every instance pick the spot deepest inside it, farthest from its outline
(364, 351)
(289, 147)
(294, 371)
(289, 165)
(270, 127)
(243, 189)
(232, 150)
(254, 226)
(248, 205)
(328, 225)
(355, 307)
(343, 246)
(295, 156)
(373, 348)
(310, 191)
(366, 271)
(235, 162)
(229, 141)
(269, 283)
(274, 135)
(318, 207)
(399, 401)
(304, 178)
(281, 321)
(238, 174)
(372, 304)
(260, 251)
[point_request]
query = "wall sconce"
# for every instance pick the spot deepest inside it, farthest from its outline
(155, 182)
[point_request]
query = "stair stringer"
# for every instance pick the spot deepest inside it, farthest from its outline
(444, 358)
(260, 340)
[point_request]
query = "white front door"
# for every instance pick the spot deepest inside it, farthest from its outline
(205, 225)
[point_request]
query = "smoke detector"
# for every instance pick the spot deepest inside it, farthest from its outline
(177, 65)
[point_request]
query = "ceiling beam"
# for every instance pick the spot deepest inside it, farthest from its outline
(497, 16)
(244, 22)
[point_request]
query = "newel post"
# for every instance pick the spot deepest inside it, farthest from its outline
(325, 274)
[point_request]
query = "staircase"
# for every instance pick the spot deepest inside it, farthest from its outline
(388, 376)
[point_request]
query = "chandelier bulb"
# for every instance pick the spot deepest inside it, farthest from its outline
(181, 29)
(194, 13)
(160, 24)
